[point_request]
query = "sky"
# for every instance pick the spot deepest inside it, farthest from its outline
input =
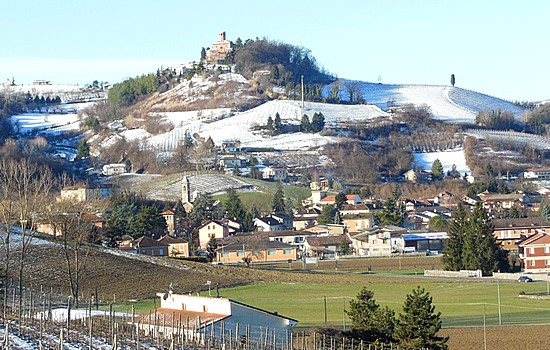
(495, 47)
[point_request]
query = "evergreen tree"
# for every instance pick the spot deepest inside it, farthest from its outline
(317, 122)
(211, 247)
(234, 206)
(513, 214)
(417, 326)
(277, 123)
(337, 217)
(274, 72)
(305, 125)
(149, 222)
(370, 322)
(544, 209)
(83, 149)
(203, 54)
(345, 248)
(278, 203)
(327, 215)
(254, 211)
(269, 125)
(390, 214)
(453, 173)
(340, 199)
(437, 169)
(452, 79)
(236, 170)
(248, 223)
(452, 252)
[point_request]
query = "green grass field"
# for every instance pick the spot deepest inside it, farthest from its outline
(460, 303)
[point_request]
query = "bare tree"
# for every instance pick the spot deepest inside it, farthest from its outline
(73, 232)
(353, 89)
(25, 193)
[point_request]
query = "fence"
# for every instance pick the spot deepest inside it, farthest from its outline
(30, 319)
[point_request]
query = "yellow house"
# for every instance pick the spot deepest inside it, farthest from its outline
(256, 250)
(176, 246)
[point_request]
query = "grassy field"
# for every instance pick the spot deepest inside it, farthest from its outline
(460, 303)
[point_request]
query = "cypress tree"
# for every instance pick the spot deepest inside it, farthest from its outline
(278, 203)
(452, 253)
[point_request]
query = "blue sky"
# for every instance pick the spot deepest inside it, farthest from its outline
(495, 47)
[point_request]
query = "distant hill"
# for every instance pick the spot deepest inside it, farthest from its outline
(447, 103)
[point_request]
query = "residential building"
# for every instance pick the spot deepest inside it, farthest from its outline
(294, 238)
(358, 223)
(231, 162)
(176, 246)
(148, 246)
(273, 173)
(418, 176)
(377, 241)
(114, 169)
(204, 315)
(534, 252)
(351, 199)
(256, 249)
(231, 146)
(499, 200)
(55, 225)
(510, 232)
(274, 222)
(88, 192)
(215, 228)
(325, 246)
(537, 173)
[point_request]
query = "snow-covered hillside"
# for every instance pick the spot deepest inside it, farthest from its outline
(241, 125)
(446, 103)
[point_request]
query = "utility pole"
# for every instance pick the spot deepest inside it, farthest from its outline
(499, 310)
(484, 329)
(325, 309)
(303, 92)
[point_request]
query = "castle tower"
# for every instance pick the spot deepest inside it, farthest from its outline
(222, 36)
(185, 190)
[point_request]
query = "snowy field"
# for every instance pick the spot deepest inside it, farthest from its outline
(447, 103)
(447, 158)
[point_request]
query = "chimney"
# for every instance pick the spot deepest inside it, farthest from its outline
(222, 36)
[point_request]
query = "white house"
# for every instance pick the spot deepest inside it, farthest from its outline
(205, 315)
(114, 169)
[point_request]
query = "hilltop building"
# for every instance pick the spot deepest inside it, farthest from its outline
(219, 50)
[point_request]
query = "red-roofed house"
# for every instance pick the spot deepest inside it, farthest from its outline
(534, 252)
(211, 228)
(351, 199)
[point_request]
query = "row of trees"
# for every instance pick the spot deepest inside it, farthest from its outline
(472, 244)
(415, 328)
(316, 125)
(130, 90)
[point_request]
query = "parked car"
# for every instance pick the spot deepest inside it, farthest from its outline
(525, 279)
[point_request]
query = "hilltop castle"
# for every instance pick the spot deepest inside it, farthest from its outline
(219, 50)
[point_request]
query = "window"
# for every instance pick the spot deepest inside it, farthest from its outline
(225, 255)
(182, 247)
(271, 252)
(161, 251)
(532, 262)
(547, 250)
(287, 251)
(547, 262)
(240, 253)
(531, 250)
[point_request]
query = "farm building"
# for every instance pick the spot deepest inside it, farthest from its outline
(205, 315)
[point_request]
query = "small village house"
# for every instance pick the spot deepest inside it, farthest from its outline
(325, 246)
(148, 246)
(255, 249)
(88, 192)
(176, 246)
(212, 228)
